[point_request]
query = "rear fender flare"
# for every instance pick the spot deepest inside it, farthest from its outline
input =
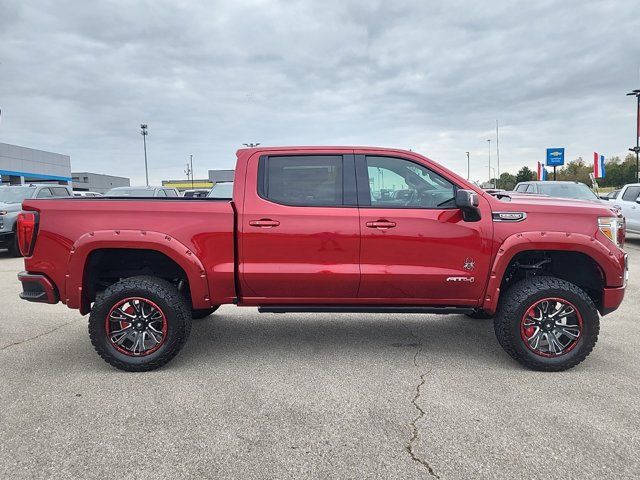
(133, 239)
(604, 257)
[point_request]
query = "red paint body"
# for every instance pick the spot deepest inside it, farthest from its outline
(255, 252)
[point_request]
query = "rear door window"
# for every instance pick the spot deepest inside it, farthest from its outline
(631, 194)
(44, 193)
(60, 192)
(309, 180)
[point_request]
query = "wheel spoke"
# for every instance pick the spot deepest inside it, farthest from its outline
(554, 344)
(136, 326)
(571, 333)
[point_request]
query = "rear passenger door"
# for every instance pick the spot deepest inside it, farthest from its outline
(630, 209)
(299, 228)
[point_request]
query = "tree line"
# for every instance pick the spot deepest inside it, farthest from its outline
(618, 173)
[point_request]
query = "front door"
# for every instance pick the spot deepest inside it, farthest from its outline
(415, 244)
(299, 228)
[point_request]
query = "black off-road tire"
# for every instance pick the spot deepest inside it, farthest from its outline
(519, 298)
(163, 294)
(197, 314)
(480, 315)
(14, 249)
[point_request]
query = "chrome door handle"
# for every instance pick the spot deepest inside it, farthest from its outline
(264, 223)
(381, 224)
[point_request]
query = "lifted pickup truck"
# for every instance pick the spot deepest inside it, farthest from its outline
(323, 229)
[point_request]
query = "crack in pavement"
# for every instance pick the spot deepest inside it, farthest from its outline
(409, 447)
(43, 334)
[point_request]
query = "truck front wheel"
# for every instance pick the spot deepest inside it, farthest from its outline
(139, 323)
(546, 323)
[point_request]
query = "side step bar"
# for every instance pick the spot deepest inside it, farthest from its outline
(361, 309)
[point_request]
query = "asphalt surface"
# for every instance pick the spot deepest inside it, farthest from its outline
(314, 396)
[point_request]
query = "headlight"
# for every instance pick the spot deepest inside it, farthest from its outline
(614, 228)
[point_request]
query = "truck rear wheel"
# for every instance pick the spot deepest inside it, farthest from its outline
(546, 323)
(139, 323)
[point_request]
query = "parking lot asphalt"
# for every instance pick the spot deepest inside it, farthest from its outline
(314, 396)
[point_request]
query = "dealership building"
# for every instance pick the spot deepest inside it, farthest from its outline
(97, 182)
(26, 165)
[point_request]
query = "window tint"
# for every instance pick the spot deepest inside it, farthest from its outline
(170, 193)
(302, 180)
(397, 183)
(44, 193)
(631, 194)
(60, 192)
(160, 193)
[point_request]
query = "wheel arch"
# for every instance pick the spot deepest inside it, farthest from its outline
(581, 251)
(78, 290)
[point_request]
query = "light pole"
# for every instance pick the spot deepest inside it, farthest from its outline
(636, 149)
(468, 167)
(489, 142)
(497, 154)
(251, 145)
(144, 134)
(494, 176)
(191, 159)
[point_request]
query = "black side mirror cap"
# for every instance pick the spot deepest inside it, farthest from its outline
(468, 202)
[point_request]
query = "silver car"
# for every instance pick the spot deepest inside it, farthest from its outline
(11, 198)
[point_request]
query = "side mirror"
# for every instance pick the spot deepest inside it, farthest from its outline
(468, 202)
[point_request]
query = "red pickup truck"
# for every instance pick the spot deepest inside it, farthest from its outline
(329, 229)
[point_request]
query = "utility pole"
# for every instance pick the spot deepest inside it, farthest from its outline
(468, 167)
(489, 141)
(497, 153)
(636, 149)
(144, 134)
(191, 159)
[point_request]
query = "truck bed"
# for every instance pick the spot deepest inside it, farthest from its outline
(203, 227)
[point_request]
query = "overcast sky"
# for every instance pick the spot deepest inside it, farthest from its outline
(78, 78)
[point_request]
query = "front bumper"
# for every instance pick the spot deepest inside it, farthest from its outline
(612, 297)
(38, 288)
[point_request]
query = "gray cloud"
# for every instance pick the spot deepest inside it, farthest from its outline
(79, 77)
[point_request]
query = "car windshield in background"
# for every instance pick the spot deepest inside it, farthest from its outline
(222, 190)
(579, 191)
(15, 194)
(133, 192)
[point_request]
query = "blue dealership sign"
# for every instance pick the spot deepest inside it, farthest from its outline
(555, 157)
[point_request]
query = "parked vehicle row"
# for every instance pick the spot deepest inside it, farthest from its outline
(322, 229)
(11, 198)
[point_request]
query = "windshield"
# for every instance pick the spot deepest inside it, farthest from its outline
(15, 194)
(222, 190)
(130, 192)
(578, 191)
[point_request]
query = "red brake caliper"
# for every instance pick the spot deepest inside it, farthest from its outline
(528, 331)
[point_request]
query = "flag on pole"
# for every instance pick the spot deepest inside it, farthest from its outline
(542, 172)
(598, 166)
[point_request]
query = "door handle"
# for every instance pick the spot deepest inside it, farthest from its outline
(381, 224)
(264, 223)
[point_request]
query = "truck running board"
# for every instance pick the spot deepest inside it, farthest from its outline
(361, 309)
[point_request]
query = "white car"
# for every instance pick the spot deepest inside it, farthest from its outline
(629, 202)
(84, 193)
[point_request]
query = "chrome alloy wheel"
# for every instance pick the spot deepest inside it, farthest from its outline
(136, 326)
(551, 327)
